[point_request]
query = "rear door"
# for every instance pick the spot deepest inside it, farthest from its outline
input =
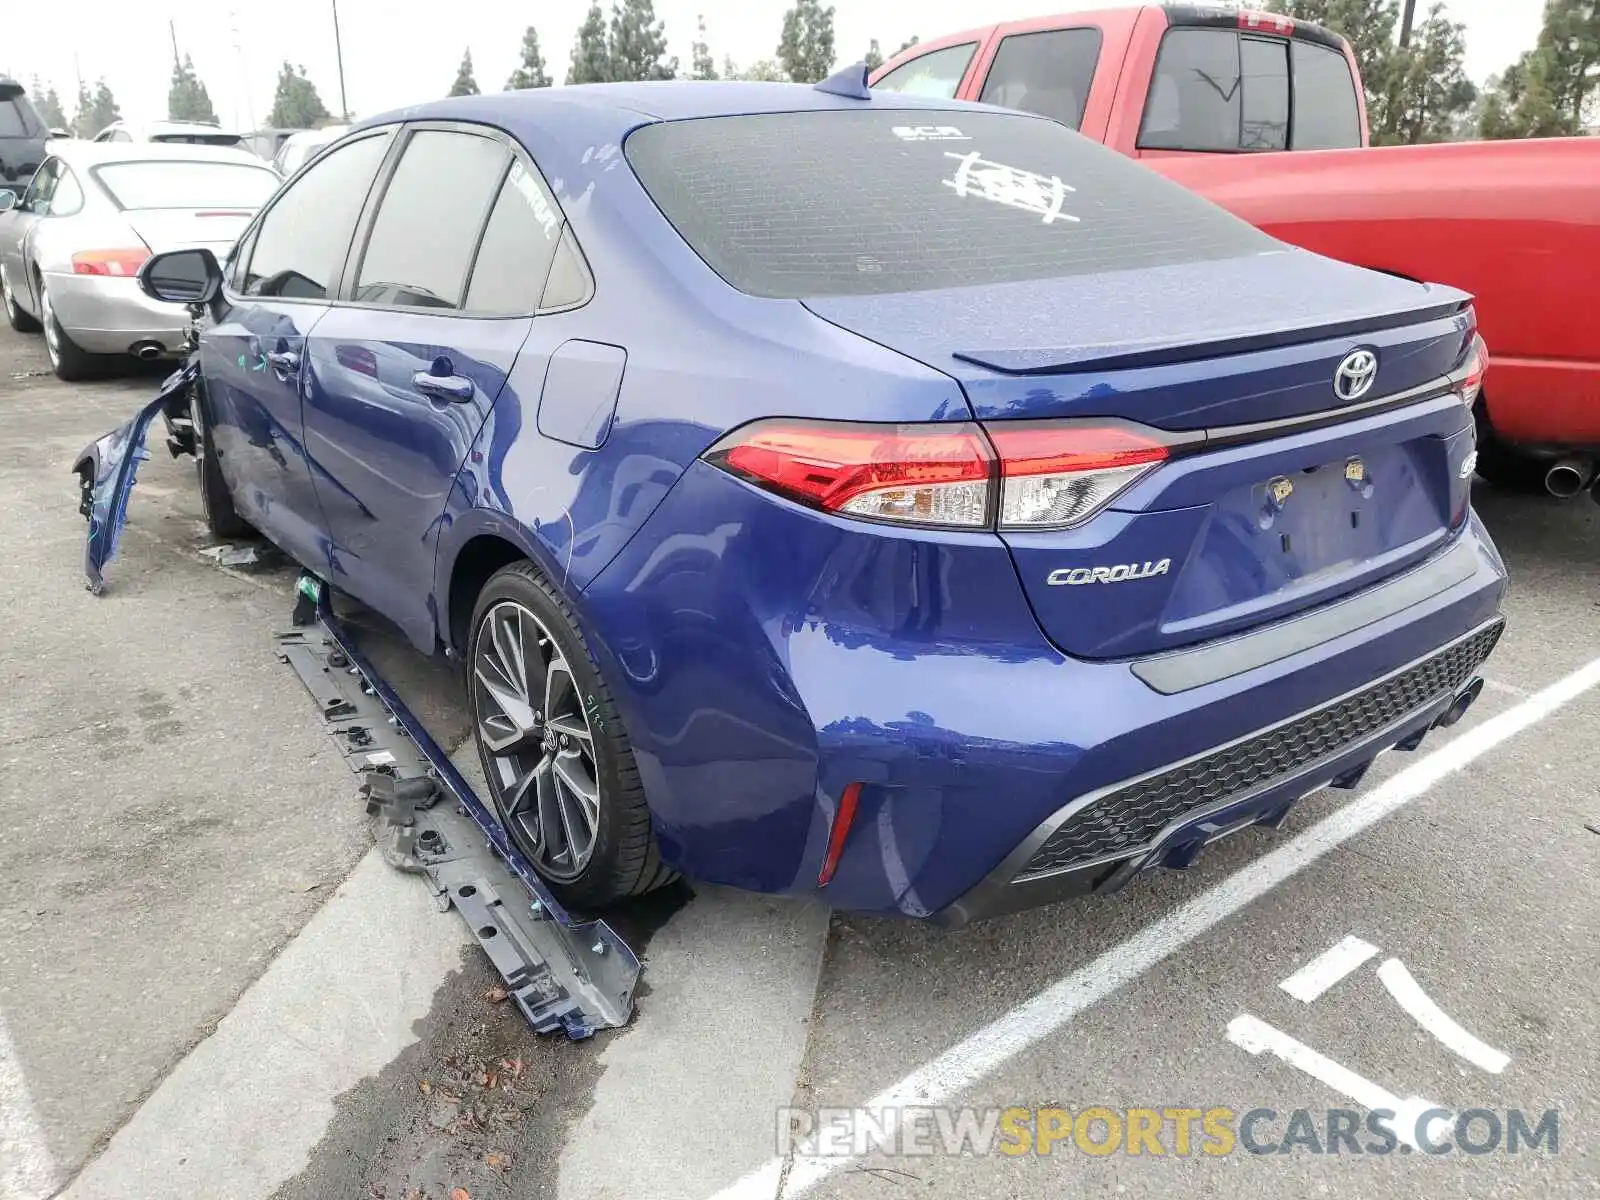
(254, 355)
(439, 300)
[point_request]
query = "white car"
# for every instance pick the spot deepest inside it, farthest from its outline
(300, 148)
(191, 133)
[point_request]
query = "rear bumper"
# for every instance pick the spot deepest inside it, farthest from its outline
(1098, 842)
(106, 315)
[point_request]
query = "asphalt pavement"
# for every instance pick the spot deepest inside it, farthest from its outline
(209, 986)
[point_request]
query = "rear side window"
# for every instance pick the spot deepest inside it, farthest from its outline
(301, 242)
(12, 124)
(1048, 73)
(1326, 116)
(849, 202)
(519, 244)
(422, 239)
(936, 74)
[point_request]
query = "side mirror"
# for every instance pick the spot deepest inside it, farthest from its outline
(8, 200)
(182, 277)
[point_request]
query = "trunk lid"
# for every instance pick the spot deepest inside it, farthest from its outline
(1287, 495)
(177, 229)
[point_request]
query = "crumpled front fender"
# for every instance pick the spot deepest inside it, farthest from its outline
(107, 469)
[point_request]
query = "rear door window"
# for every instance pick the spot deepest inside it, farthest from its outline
(779, 205)
(1326, 115)
(432, 212)
(937, 73)
(1048, 73)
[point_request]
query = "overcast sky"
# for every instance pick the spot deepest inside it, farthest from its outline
(399, 52)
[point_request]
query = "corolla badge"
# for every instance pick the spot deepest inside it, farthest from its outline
(1355, 375)
(1121, 573)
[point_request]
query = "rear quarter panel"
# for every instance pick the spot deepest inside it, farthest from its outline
(1517, 224)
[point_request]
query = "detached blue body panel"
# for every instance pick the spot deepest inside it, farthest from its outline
(767, 657)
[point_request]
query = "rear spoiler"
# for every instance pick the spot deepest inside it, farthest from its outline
(1206, 16)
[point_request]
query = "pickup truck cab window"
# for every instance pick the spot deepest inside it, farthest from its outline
(1047, 73)
(426, 230)
(1326, 116)
(937, 73)
(300, 244)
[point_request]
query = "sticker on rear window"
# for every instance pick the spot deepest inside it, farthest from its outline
(1011, 186)
(929, 133)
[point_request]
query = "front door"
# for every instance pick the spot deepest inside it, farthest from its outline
(403, 375)
(253, 356)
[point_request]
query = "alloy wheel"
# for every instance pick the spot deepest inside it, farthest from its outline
(537, 741)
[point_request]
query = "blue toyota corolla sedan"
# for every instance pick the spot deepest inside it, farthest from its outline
(904, 500)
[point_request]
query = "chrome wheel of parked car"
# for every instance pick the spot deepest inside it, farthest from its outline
(68, 361)
(531, 723)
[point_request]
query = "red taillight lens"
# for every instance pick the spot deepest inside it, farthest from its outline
(915, 474)
(109, 262)
(1060, 474)
(1477, 368)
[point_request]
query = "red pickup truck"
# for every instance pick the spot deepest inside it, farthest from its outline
(1203, 95)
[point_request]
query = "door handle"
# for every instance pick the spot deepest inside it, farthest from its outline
(284, 360)
(453, 388)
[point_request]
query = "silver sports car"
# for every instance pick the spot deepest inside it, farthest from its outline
(72, 244)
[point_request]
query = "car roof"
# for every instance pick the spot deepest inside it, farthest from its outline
(619, 107)
(77, 153)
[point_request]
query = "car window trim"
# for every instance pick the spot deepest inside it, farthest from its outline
(1094, 66)
(358, 248)
(252, 229)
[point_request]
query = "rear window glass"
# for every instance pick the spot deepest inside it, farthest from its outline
(937, 74)
(1325, 112)
(1264, 75)
(178, 184)
(862, 202)
(1195, 96)
(1048, 73)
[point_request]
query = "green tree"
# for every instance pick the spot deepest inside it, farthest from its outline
(530, 73)
(874, 57)
(1429, 89)
(806, 48)
(295, 104)
(591, 52)
(48, 102)
(763, 70)
(83, 113)
(700, 53)
(102, 110)
(1546, 92)
(465, 84)
(639, 43)
(908, 43)
(187, 98)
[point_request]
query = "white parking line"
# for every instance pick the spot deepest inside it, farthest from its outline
(1327, 968)
(1408, 992)
(950, 1074)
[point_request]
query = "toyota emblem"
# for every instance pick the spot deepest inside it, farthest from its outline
(1355, 375)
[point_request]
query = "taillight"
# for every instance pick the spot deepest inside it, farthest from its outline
(1015, 475)
(1263, 22)
(109, 262)
(1477, 366)
(913, 474)
(1060, 474)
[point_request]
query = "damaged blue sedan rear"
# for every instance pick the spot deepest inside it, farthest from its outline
(900, 501)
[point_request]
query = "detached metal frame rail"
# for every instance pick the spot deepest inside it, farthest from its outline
(573, 976)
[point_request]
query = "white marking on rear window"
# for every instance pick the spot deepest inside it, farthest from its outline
(929, 133)
(1011, 186)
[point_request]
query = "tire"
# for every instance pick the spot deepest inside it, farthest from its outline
(1503, 465)
(18, 320)
(534, 758)
(216, 501)
(71, 363)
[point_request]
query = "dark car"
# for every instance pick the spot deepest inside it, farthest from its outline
(22, 136)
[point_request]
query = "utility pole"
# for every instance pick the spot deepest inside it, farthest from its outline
(172, 28)
(338, 53)
(1406, 17)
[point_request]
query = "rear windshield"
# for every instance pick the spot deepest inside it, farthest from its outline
(197, 139)
(177, 184)
(847, 202)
